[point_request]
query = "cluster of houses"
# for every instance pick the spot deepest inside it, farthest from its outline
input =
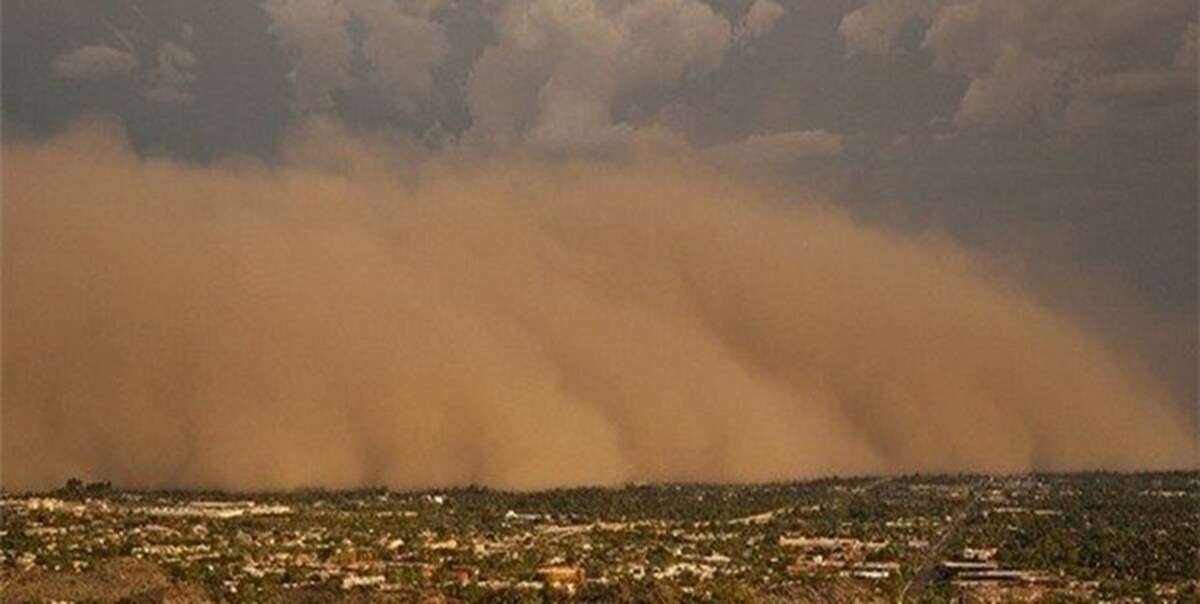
(319, 544)
(392, 542)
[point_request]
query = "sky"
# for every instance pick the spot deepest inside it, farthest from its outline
(864, 213)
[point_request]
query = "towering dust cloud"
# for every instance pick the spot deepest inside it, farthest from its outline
(514, 323)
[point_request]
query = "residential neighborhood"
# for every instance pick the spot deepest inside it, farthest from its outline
(929, 538)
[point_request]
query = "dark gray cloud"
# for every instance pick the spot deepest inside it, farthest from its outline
(1067, 65)
(200, 82)
(1077, 116)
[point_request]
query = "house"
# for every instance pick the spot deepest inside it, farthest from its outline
(565, 577)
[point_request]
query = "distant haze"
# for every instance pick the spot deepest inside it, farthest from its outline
(360, 316)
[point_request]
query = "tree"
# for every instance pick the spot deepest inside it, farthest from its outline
(73, 488)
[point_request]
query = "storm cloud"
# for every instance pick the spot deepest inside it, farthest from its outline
(341, 321)
(543, 242)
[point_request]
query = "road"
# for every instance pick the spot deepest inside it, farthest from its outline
(871, 485)
(915, 587)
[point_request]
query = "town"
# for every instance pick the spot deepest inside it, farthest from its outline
(1081, 537)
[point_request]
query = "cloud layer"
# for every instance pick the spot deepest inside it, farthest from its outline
(1070, 65)
(514, 323)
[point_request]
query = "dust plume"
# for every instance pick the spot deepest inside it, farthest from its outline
(358, 317)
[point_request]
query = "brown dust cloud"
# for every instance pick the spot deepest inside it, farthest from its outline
(355, 317)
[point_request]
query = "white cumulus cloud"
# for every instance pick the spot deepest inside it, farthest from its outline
(777, 150)
(558, 67)
(400, 42)
(173, 76)
(93, 63)
(759, 19)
